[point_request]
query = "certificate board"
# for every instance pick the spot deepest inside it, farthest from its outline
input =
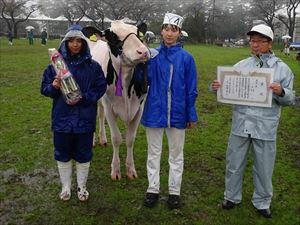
(245, 87)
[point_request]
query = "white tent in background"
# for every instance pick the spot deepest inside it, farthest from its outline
(85, 19)
(60, 18)
(107, 20)
(40, 18)
(29, 28)
(286, 37)
(184, 33)
(150, 34)
(129, 21)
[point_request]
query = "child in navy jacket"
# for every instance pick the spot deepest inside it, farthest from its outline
(73, 124)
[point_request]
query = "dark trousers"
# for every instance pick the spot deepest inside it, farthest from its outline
(69, 146)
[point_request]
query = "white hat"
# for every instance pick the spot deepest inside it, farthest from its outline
(263, 30)
(173, 19)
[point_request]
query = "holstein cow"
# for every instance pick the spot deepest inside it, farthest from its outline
(126, 90)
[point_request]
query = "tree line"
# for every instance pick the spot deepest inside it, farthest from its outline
(205, 21)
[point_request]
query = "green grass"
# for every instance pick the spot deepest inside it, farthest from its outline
(29, 178)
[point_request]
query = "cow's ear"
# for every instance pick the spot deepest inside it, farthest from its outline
(114, 42)
(89, 31)
(106, 32)
(142, 27)
(110, 36)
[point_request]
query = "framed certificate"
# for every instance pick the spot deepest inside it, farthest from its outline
(245, 87)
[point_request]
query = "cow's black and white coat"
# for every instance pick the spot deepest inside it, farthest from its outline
(122, 52)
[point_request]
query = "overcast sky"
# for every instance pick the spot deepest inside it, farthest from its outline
(35, 1)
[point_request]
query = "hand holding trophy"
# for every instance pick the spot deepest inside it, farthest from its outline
(64, 79)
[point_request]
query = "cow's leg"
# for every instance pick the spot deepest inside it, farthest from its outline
(116, 140)
(101, 122)
(130, 137)
(95, 133)
(102, 133)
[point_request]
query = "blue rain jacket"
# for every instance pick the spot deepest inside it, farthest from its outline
(81, 117)
(260, 122)
(172, 79)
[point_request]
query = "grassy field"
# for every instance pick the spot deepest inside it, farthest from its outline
(29, 178)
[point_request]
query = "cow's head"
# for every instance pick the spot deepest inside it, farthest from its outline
(123, 41)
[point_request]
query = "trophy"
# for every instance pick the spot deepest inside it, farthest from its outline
(69, 87)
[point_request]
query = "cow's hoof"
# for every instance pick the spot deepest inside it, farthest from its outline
(132, 175)
(103, 144)
(116, 176)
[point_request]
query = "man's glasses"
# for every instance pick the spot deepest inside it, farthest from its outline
(252, 42)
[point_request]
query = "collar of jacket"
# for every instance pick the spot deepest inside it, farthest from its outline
(268, 58)
(169, 50)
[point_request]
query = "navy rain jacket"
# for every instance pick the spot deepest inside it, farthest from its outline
(81, 117)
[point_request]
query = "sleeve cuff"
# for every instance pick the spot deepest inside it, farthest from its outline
(282, 93)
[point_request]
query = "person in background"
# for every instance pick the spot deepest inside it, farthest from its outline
(170, 108)
(298, 56)
(286, 49)
(10, 37)
(73, 124)
(256, 127)
(44, 37)
(142, 29)
(30, 37)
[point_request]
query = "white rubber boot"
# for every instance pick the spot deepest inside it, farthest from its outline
(65, 173)
(82, 175)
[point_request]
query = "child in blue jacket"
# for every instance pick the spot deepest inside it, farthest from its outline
(170, 108)
(73, 125)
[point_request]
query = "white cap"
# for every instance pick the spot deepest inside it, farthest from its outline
(173, 19)
(263, 30)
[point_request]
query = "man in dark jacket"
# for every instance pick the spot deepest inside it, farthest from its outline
(44, 37)
(10, 37)
(73, 124)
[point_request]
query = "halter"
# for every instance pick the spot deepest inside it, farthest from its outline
(128, 36)
(119, 48)
(118, 44)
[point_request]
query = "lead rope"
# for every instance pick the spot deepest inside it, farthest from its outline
(119, 87)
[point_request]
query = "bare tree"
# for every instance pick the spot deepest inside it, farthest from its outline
(144, 10)
(15, 12)
(266, 10)
(72, 10)
(232, 22)
(290, 19)
(118, 9)
(212, 12)
(96, 11)
(195, 23)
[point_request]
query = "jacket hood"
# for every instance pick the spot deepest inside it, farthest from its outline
(75, 31)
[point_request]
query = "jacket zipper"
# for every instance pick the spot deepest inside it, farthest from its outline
(170, 96)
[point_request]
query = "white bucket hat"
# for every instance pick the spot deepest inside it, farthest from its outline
(263, 30)
(173, 19)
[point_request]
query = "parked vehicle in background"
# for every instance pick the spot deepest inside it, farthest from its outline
(298, 56)
(295, 46)
(241, 42)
